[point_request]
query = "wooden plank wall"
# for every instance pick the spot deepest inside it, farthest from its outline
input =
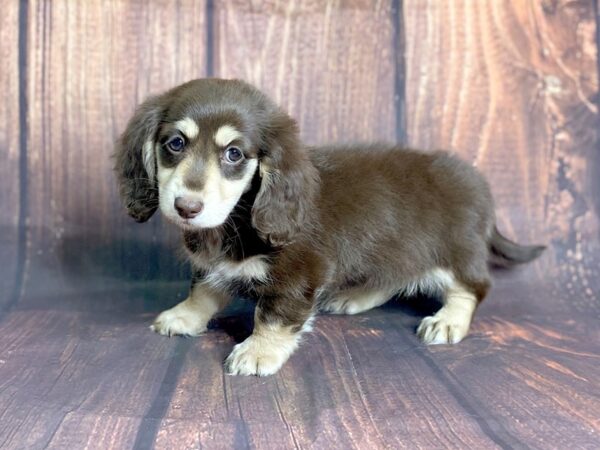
(511, 86)
(331, 64)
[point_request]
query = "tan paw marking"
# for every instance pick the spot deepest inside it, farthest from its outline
(451, 323)
(179, 320)
(439, 329)
(248, 358)
(263, 352)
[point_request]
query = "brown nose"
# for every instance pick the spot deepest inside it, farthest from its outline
(186, 208)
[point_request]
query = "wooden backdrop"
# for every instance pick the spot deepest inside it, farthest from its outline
(510, 85)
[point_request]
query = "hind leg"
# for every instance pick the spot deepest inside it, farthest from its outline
(355, 301)
(451, 323)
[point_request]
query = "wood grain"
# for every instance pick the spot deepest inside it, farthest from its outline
(354, 384)
(513, 87)
(330, 64)
(11, 231)
(77, 379)
(543, 368)
(91, 64)
(60, 371)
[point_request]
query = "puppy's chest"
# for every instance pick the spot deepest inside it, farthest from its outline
(236, 264)
(240, 277)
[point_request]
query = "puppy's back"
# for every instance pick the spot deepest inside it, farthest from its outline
(412, 209)
(376, 178)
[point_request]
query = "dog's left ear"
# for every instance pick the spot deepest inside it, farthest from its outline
(289, 182)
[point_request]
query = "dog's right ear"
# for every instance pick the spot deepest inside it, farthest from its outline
(135, 160)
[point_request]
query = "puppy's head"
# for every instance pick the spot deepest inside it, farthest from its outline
(195, 150)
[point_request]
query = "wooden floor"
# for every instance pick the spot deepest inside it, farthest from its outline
(81, 369)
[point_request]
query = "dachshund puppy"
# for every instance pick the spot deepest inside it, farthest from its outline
(336, 229)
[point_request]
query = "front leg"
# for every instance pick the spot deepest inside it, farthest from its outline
(278, 324)
(190, 317)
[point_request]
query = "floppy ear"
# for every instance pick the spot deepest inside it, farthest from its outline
(135, 164)
(285, 201)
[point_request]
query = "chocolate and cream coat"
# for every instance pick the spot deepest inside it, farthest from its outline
(338, 229)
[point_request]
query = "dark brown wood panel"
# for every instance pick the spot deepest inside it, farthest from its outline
(10, 150)
(513, 87)
(331, 64)
(91, 64)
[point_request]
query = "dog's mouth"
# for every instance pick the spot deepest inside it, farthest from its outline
(175, 219)
(191, 224)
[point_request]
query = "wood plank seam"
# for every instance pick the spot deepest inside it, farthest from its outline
(397, 12)
(150, 423)
(495, 430)
(23, 111)
(210, 38)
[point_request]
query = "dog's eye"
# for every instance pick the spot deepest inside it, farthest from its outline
(176, 144)
(233, 155)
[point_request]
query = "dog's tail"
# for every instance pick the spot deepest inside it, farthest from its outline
(506, 253)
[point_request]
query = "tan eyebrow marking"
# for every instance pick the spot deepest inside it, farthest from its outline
(225, 134)
(189, 127)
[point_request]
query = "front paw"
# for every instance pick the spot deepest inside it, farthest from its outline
(179, 320)
(439, 329)
(256, 356)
